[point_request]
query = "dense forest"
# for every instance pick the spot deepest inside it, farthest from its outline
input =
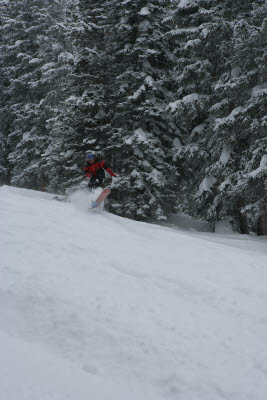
(172, 93)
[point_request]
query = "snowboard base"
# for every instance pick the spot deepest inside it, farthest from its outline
(100, 198)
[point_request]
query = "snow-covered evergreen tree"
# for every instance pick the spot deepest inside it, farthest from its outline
(226, 135)
(82, 122)
(4, 122)
(34, 65)
(142, 134)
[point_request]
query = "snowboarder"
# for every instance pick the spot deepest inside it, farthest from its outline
(94, 169)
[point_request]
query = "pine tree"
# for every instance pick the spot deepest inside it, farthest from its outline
(222, 154)
(34, 64)
(83, 120)
(4, 120)
(142, 133)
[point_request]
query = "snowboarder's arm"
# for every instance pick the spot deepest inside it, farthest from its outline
(87, 171)
(110, 172)
(107, 168)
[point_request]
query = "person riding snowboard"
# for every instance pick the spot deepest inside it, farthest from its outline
(94, 169)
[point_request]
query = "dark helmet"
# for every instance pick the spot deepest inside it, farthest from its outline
(90, 157)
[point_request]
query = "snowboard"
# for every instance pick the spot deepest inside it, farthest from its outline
(100, 198)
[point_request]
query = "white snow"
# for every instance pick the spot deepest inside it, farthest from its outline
(259, 89)
(150, 81)
(235, 72)
(72, 99)
(155, 176)
(183, 31)
(48, 66)
(207, 183)
(190, 98)
(185, 3)
(263, 163)
(144, 11)
(35, 61)
(192, 43)
(260, 170)
(223, 226)
(19, 42)
(230, 118)
(205, 32)
(177, 143)
(198, 129)
(139, 135)
(94, 306)
(138, 92)
(65, 56)
(225, 155)
(28, 372)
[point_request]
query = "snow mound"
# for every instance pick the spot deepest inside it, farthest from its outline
(94, 306)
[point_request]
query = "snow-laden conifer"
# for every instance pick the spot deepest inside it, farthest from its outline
(224, 69)
(34, 66)
(141, 129)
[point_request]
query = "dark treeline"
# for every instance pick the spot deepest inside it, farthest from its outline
(171, 93)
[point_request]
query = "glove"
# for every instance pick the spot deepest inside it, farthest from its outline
(110, 172)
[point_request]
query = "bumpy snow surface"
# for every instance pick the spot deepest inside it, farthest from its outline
(93, 306)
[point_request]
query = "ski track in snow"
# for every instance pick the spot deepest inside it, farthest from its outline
(114, 307)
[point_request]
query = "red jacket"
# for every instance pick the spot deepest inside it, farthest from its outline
(97, 169)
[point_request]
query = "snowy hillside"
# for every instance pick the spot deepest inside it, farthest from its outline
(93, 306)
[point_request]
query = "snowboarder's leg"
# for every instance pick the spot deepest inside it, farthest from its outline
(96, 182)
(93, 184)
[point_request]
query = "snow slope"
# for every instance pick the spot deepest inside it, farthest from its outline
(93, 306)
